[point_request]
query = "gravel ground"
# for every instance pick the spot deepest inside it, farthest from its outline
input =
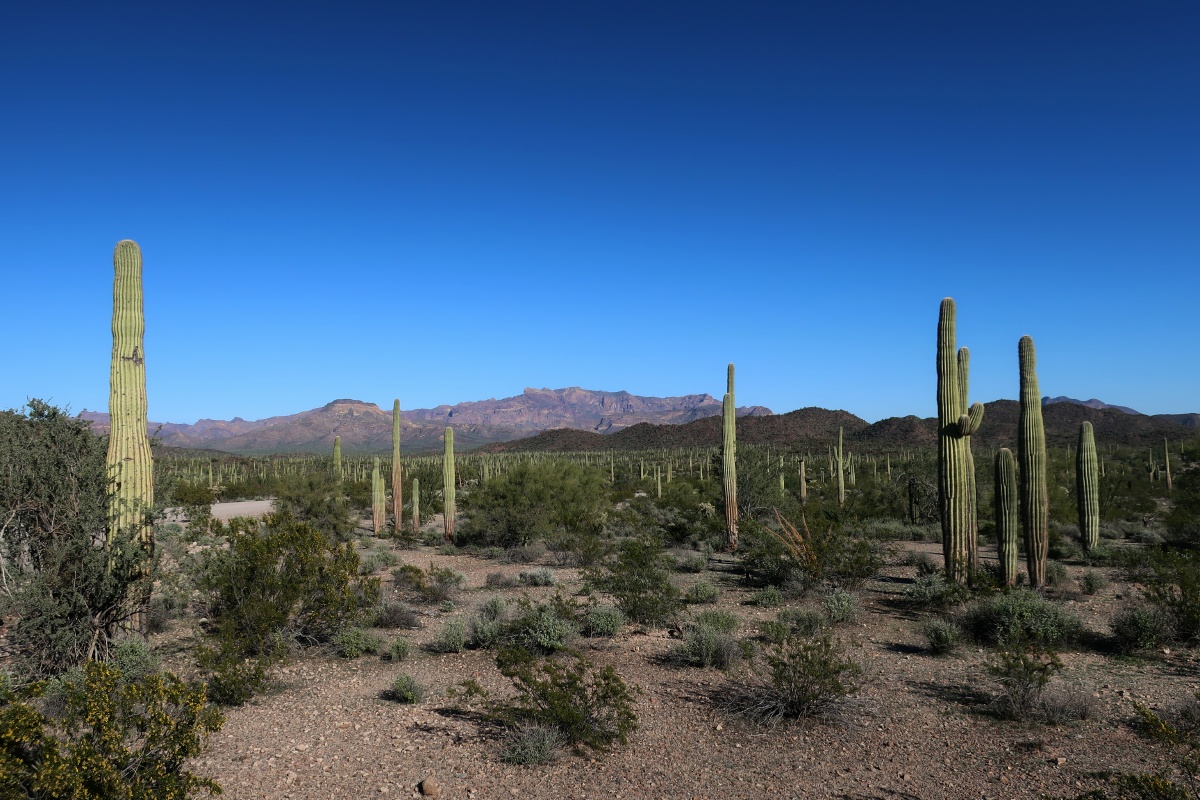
(919, 728)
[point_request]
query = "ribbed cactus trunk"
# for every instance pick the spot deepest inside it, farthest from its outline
(397, 476)
(956, 501)
(448, 485)
(964, 382)
(841, 472)
(416, 504)
(130, 461)
(1087, 487)
(1167, 463)
(378, 500)
(729, 462)
(803, 485)
(1008, 519)
(1031, 452)
(337, 458)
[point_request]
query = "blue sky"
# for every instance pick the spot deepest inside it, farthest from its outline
(455, 200)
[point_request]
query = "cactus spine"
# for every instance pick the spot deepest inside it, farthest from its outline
(1008, 520)
(130, 462)
(1087, 487)
(1035, 508)
(956, 499)
(378, 499)
(729, 462)
(448, 485)
(397, 477)
(337, 458)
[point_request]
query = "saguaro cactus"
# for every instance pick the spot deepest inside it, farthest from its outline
(1167, 463)
(1008, 521)
(729, 462)
(1031, 452)
(841, 472)
(448, 485)
(397, 477)
(337, 458)
(1087, 487)
(803, 484)
(416, 504)
(378, 499)
(130, 462)
(956, 484)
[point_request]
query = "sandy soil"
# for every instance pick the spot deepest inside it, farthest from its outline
(919, 728)
(242, 508)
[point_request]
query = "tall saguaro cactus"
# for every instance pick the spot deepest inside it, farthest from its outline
(729, 462)
(416, 504)
(1008, 520)
(1031, 452)
(397, 477)
(448, 485)
(1087, 487)
(378, 499)
(841, 472)
(130, 461)
(337, 458)
(956, 423)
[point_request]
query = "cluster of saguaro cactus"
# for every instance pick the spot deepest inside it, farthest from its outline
(1008, 520)
(378, 500)
(397, 476)
(337, 458)
(1087, 487)
(130, 461)
(956, 423)
(448, 485)
(729, 461)
(1031, 452)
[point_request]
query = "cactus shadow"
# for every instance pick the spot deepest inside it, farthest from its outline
(964, 695)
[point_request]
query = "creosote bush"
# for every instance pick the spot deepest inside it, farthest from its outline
(603, 621)
(804, 677)
(404, 689)
(1141, 628)
(1018, 617)
(639, 581)
(530, 745)
(942, 635)
(355, 642)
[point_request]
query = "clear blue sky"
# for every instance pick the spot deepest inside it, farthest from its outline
(449, 201)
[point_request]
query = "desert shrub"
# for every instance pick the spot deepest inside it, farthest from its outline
(377, 560)
(696, 562)
(805, 559)
(840, 606)
(452, 638)
(702, 592)
(449, 549)
(591, 707)
(1174, 587)
(355, 642)
(768, 597)
(724, 621)
(1063, 542)
(446, 606)
(942, 636)
(530, 553)
(805, 677)
(499, 580)
(934, 590)
(1021, 616)
(535, 501)
(1056, 574)
(319, 501)
(579, 548)
(398, 649)
(708, 647)
(1059, 705)
(110, 738)
(543, 576)
(1092, 581)
(404, 689)
(601, 621)
(639, 581)
(802, 621)
(1023, 673)
(532, 744)
(434, 585)
(134, 659)
(1141, 628)
(395, 615)
(542, 628)
(774, 631)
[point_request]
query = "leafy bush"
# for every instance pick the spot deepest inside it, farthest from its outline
(1023, 673)
(603, 621)
(318, 500)
(702, 592)
(1174, 587)
(377, 560)
(841, 606)
(543, 576)
(395, 615)
(355, 642)
(434, 585)
(134, 659)
(112, 738)
(767, 597)
(942, 635)
(404, 689)
(801, 621)
(724, 621)
(1141, 628)
(805, 559)
(542, 628)
(1056, 574)
(499, 580)
(705, 646)
(591, 707)
(692, 563)
(1092, 581)
(452, 638)
(531, 745)
(639, 581)
(933, 590)
(535, 501)
(805, 676)
(1018, 617)
(397, 650)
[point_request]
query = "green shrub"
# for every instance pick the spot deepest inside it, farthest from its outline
(827, 556)
(319, 501)
(767, 597)
(532, 745)
(591, 707)
(692, 563)
(1174, 587)
(542, 628)
(355, 642)
(376, 561)
(534, 502)
(724, 621)
(543, 576)
(1141, 628)
(943, 636)
(397, 650)
(134, 659)
(603, 621)
(841, 606)
(639, 581)
(499, 580)
(1018, 617)
(702, 592)
(708, 647)
(805, 677)
(452, 638)
(801, 621)
(774, 631)
(404, 689)
(1056, 573)
(933, 590)
(1092, 581)
(1023, 673)
(118, 739)
(395, 615)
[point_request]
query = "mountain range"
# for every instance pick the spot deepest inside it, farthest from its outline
(365, 427)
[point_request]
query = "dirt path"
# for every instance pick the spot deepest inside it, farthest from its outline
(242, 508)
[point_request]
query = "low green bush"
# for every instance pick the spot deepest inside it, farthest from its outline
(542, 576)
(840, 606)
(708, 647)
(942, 636)
(702, 592)
(804, 677)
(1092, 581)
(1023, 673)
(933, 590)
(452, 638)
(768, 597)
(602, 621)
(717, 619)
(639, 581)
(531, 745)
(355, 642)
(404, 689)
(398, 649)
(1018, 617)
(1141, 628)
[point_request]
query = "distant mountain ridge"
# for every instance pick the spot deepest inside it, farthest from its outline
(365, 427)
(1093, 403)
